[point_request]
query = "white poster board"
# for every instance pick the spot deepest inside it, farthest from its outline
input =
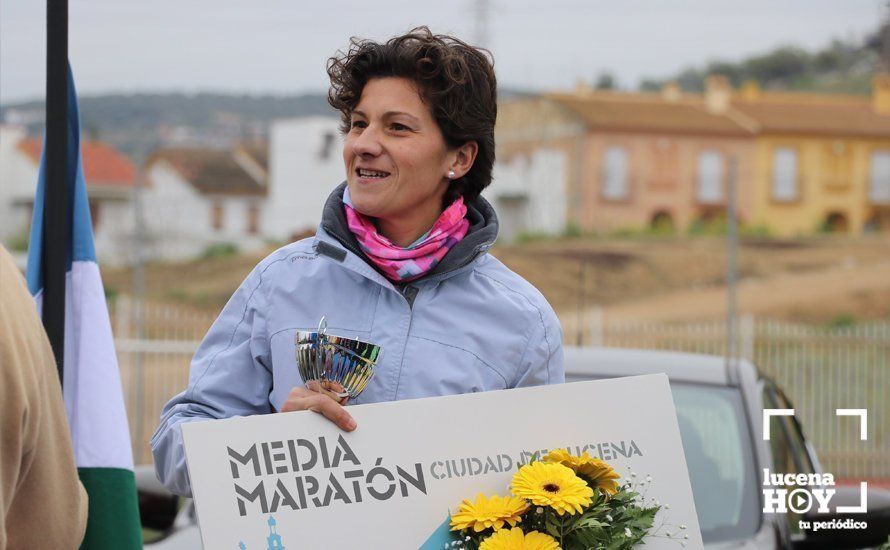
(392, 482)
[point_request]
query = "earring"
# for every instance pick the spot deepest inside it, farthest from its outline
(451, 174)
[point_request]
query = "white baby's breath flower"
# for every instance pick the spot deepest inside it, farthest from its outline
(609, 518)
(627, 532)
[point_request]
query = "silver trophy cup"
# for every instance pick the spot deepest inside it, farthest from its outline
(341, 365)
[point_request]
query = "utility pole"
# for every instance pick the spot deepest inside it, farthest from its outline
(885, 39)
(481, 9)
(731, 252)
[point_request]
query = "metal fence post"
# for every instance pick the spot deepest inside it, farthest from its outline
(746, 331)
(122, 316)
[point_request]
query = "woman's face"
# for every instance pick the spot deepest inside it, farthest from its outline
(395, 155)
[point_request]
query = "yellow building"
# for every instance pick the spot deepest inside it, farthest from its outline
(822, 162)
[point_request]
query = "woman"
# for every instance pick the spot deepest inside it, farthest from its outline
(400, 258)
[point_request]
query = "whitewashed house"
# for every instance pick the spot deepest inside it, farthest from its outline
(197, 198)
(18, 181)
(110, 179)
(528, 192)
(305, 165)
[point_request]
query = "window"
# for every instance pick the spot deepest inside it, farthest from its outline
(615, 185)
(253, 218)
(879, 185)
(216, 215)
(710, 177)
(785, 175)
(788, 447)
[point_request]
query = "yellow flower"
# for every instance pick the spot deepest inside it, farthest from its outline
(596, 472)
(514, 539)
(488, 512)
(553, 485)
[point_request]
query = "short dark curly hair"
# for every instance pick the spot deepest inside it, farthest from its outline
(455, 79)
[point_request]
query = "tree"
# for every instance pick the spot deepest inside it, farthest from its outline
(605, 81)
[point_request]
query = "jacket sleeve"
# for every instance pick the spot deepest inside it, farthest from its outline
(230, 375)
(542, 362)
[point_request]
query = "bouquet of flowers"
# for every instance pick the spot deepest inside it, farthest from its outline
(561, 501)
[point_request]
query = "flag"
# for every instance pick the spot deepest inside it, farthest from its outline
(94, 399)
(442, 537)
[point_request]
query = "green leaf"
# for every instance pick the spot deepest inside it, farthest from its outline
(589, 522)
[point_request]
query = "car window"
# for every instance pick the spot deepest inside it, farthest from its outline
(788, 447)
(720, 461)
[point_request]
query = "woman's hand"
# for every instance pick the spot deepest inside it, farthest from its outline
(315, 398)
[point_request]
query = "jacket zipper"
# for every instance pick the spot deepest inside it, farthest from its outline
(410, 303)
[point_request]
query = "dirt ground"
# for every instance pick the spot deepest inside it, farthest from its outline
(824, 280)
(819, 280)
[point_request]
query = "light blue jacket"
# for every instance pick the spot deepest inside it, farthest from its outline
(470, 325)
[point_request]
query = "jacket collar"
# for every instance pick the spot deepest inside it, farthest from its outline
(480, 237)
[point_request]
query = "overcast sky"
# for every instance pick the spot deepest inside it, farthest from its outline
(280, 46)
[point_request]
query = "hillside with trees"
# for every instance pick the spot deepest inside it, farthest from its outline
(139, 123)
(844, 66)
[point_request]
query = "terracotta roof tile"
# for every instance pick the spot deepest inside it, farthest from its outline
(213, 170)
(647, 112)
(102, 164)
(811, 116)
(771, 112)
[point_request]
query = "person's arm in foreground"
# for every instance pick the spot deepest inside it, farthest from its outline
(42, 502)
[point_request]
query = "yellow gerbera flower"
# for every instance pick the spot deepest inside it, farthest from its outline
(515, 539)
(488, 512)
(595, 471)
(554, 485)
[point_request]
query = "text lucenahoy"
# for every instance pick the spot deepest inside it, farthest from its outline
(312, 473)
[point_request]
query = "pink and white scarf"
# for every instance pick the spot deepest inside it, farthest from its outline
(417, 259)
